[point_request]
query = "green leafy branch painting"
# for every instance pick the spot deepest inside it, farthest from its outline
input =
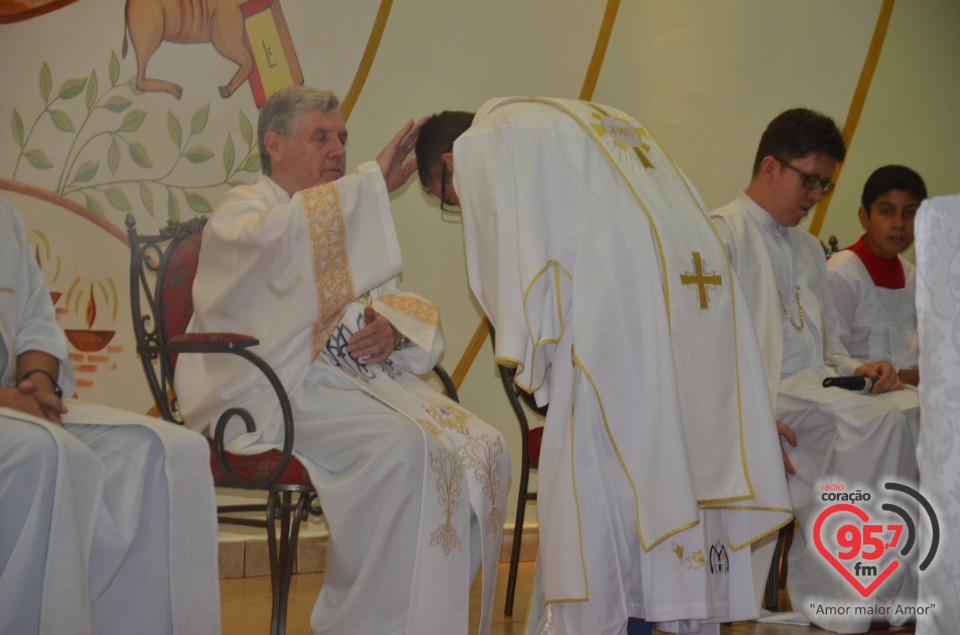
(87, 175)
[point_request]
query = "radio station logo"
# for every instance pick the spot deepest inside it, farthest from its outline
(867, 545)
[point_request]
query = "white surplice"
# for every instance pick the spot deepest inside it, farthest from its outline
(594, 259)
(413, 486)
(107, 526)
(938, 305)
(843, 436)
(876, 323)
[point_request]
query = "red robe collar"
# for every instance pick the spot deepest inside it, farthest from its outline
(885, 273)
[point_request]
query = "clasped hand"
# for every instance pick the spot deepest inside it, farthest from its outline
(883, 374)
(29, 399)
(375, 342)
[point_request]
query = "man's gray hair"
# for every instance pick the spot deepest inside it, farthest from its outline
(281, 114)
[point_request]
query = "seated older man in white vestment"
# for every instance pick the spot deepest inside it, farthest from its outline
(307, 259)
(593, 257)
(107, 519)
(856, 440)
(872, 286)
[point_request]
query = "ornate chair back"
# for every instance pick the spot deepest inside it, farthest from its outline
(162, 270)
(162, 308)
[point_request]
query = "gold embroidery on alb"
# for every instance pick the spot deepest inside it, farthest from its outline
(482, 455)
(449, 417)
(449, 476)
(430, 427)
(701, 279)
(331, 268)
(695, 561)
(624, 135)
(422, 310)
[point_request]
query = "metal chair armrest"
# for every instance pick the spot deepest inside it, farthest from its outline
(448, 386)
(229, 340)
(181, 345)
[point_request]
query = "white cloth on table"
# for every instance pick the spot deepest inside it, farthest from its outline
(107, 526)
(877, 324)
(843, 436)
(583, 257)
(938, 315)
(412, 485)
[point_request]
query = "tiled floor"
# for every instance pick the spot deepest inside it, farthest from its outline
(245, 606)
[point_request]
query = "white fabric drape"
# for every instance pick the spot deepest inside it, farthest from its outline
(938, 315)
(107, 526)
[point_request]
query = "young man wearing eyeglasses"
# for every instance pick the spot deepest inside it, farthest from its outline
(835, 435)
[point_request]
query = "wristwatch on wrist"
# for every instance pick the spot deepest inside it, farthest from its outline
(402, 344)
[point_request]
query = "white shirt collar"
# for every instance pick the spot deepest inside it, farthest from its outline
(763, 217)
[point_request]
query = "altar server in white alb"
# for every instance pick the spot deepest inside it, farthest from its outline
(594, 258)
(840, 436)
(306, 260)
(872, 286)
(107, 518)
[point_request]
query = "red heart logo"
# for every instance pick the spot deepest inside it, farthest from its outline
(862, 515)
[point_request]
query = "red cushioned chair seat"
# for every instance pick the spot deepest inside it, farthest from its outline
(255, 466)
(534, 439)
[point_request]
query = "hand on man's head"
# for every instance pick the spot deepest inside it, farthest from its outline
(392, 159)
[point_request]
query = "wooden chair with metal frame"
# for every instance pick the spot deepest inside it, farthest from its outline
(162, 270)
(529, 460)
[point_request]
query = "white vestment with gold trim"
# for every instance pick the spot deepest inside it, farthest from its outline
(412, 485)
(594, 259)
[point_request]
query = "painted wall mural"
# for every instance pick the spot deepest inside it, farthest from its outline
(253, 34)
(157, 123)
(96, 134)
(18, 10)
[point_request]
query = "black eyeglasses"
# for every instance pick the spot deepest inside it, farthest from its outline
(810, 181)
(444, 205)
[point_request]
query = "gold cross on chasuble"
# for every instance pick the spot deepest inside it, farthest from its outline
(700, 279)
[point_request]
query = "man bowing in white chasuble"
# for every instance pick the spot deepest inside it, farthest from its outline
(306, 260)
(593, 257)
(107, 518)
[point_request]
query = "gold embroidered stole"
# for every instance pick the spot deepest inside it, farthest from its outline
(331, 266)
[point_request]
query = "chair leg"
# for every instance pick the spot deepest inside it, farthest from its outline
(517, 536)
(777, 576)
(283, 553)
(787, 543)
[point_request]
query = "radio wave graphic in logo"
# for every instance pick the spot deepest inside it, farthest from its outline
(866, 553)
